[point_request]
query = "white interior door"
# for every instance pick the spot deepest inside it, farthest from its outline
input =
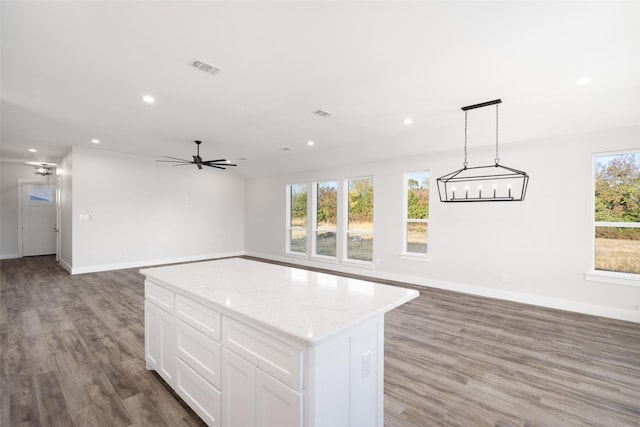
(39, 219)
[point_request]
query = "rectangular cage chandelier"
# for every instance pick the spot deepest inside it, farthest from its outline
(491, 183)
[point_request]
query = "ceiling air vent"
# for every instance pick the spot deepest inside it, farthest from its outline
(322, 113)
(206, 67)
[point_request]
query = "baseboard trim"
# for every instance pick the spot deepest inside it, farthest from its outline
(10, 256)
(538, 300)
(151, 262)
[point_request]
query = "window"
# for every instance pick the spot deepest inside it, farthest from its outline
(416, 185)
(617, 213)
(40, 195)
(297, 221)
(326, 214)
(359, 208)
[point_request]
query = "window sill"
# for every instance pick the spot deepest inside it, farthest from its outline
(613, 277)
(296, 255)
(322, 258)
(415, 257)
(356, 263)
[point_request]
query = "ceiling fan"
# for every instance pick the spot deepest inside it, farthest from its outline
(197, 160)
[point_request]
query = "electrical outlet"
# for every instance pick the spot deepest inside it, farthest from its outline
(503, 277)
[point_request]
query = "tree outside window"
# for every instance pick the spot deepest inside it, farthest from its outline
(417, 212)
(326, 194)
(297, 224)
(359, 242)
(617, 213)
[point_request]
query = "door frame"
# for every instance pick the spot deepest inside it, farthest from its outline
(56, 186)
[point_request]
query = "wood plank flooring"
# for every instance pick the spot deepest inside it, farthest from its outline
(71, 354)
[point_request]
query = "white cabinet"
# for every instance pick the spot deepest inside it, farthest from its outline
(235, 372)
(158, 337)
(199, 351)
(182, 345)
(200, 395)
(274, 356)
(251, 397)
(238, 391)
(276, 404)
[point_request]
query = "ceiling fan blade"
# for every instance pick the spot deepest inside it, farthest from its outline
(218, 164)
(214, 161)
(182, 164)
(175, 158)
(214, 166)
(175, 161)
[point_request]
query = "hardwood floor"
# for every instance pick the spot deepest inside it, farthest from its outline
(72, 350)
(71, 354)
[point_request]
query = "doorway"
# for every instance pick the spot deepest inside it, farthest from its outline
(38, 233)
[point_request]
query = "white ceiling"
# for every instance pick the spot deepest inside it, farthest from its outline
(73, 71)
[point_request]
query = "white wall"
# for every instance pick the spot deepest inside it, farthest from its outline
(542, 245)
(144, 213)
(10, 173)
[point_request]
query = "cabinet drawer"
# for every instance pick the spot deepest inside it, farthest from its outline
(273, 356)
(200, 317)
(198, 351)
(161, 297)
(199, 394)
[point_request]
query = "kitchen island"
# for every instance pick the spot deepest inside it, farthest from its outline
(248, 343)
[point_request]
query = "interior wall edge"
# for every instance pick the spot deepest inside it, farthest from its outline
(537, 300)
(65, 265)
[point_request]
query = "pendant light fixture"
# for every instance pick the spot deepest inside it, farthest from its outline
(492, 183)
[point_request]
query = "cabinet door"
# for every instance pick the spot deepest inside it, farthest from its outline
(158, 341)
(276, 404)
(238, 391)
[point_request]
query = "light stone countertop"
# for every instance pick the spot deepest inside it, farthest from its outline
(306, 306)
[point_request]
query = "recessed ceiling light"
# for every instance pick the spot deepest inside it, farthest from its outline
(95, 141)
(33, 150)
(407, 121)
(311, 143)
(583, 81)
(148, 99)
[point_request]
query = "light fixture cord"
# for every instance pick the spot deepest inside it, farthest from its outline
(497, 159)
(465, 140)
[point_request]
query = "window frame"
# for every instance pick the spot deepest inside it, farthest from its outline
(345, 229)
(404, 253)
(289, 228)
(621, 278)
(314, 225)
